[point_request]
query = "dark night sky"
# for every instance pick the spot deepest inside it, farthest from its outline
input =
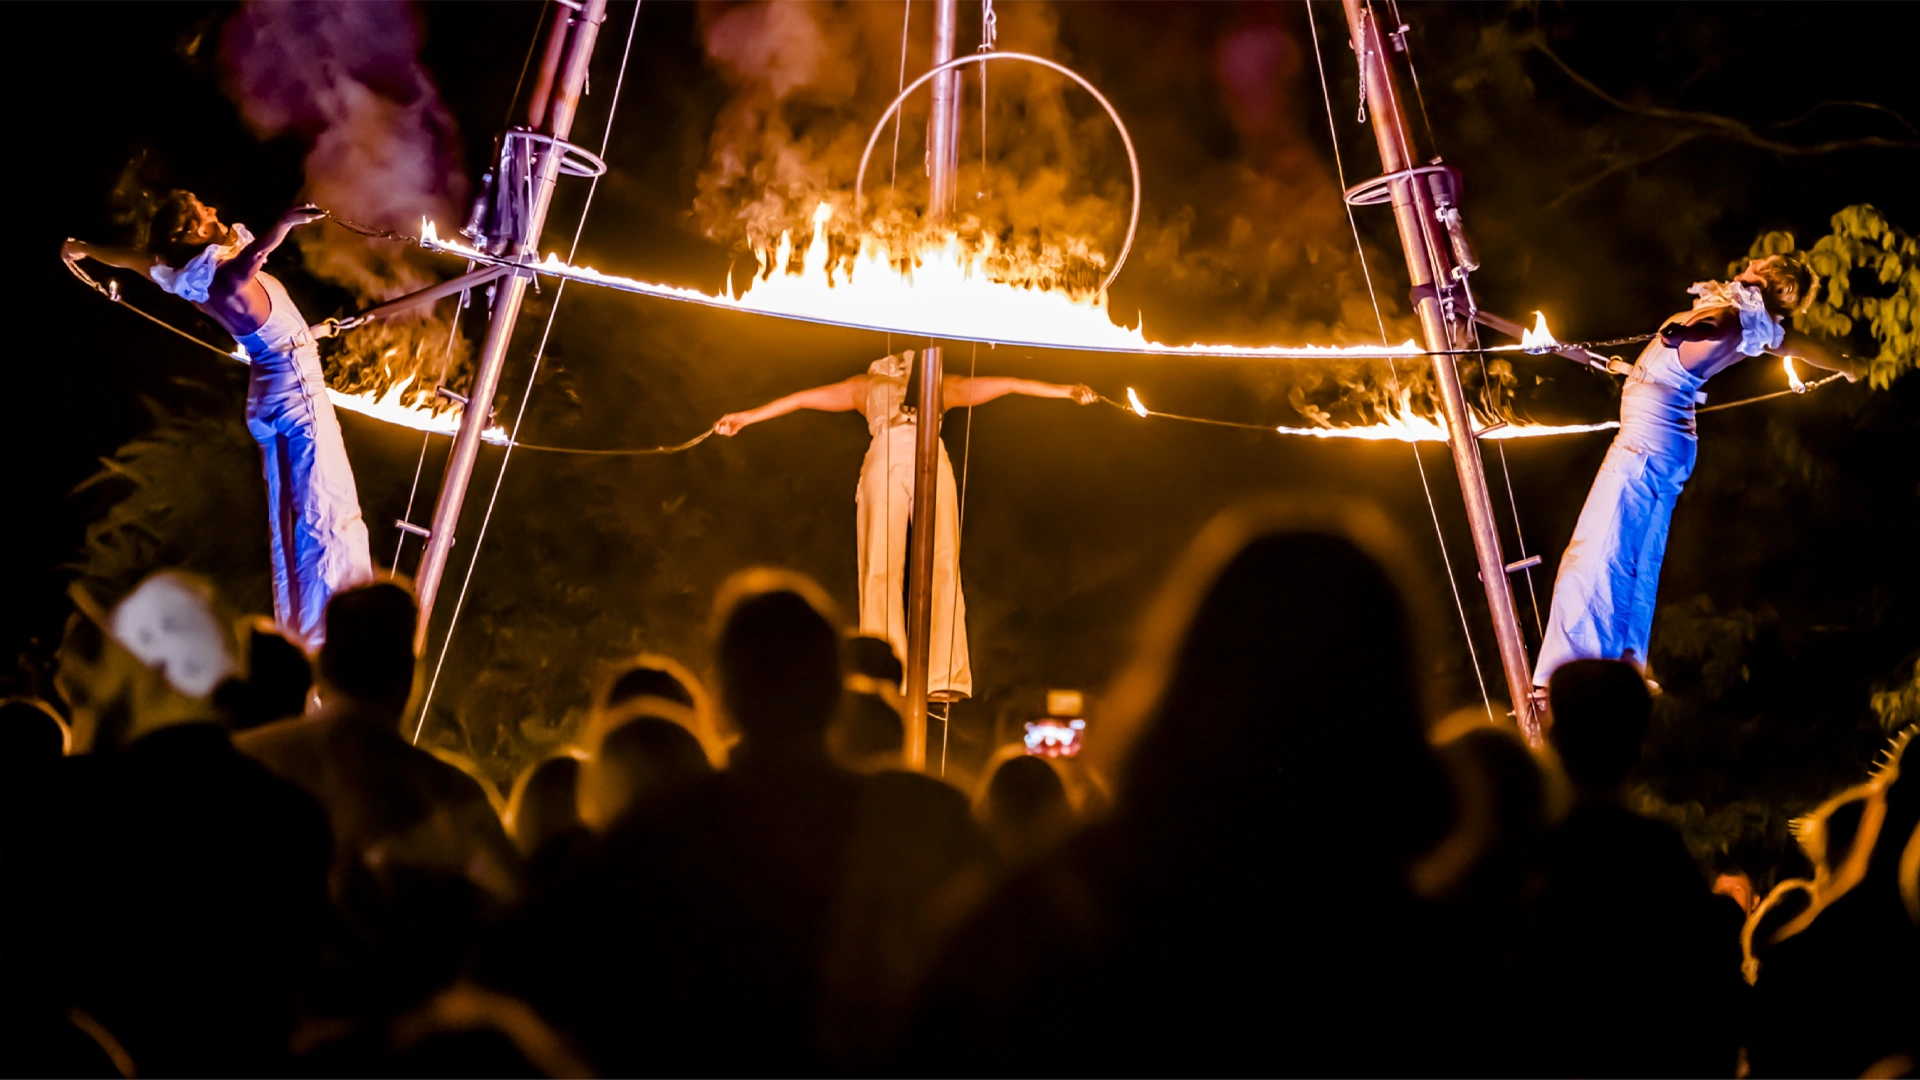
(1072, 515)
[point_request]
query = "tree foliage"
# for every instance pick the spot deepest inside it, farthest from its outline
(1871, 272)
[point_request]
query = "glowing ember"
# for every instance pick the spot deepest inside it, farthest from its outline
(1539, 339)
(1133, 399)
(1793, 377)
(943, 290)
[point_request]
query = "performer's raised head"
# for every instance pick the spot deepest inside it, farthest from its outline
(183, 227)
(1786, 282)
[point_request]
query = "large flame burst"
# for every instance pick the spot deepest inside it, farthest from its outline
(948, 289)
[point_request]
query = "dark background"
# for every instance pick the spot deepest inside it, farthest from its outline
(1789, 588)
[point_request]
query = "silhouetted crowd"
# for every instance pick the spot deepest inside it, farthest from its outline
(219, 858)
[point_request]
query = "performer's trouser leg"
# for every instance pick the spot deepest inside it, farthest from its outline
(318, 538)
(1605, 592)
(884, 506)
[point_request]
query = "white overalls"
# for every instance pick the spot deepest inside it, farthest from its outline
(884, 503)
(318, 540)
(1604, 593)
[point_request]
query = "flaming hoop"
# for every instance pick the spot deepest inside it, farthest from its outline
(1133, 159)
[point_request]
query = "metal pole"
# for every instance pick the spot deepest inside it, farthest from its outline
(1430, 264)
(573, 34)
(942, 144)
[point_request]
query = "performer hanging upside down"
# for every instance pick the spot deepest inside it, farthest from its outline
(884, 501)
(318, 540)
(1603, 596)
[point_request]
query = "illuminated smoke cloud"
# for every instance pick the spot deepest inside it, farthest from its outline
(382, 147)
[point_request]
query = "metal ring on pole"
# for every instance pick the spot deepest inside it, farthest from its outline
(575, 160)
(1133, 159)
(1380, 189)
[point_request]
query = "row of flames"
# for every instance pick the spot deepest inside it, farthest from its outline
(945, 289)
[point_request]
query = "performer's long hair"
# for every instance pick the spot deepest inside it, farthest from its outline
(1790, 284)
(162, 223)
(175, 234)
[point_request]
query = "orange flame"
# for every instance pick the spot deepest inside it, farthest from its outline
(1538, 339)
(1793, 376)
(1399, 422)
(942, 289)
(391, 407)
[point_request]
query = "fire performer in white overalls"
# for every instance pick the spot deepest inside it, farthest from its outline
(318, 540)
(1603, 597)
(884, 501)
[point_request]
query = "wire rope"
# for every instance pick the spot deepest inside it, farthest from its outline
(493, 499)
(419, 466)
(1433, 510)
(1473, 330)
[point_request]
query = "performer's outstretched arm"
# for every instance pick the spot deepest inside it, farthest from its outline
(844, 396)
(234, 274)
(961, 391)
(124, 258)
(1813, 351)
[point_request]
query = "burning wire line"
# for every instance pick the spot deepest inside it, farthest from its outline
(964, 321)
(1413, 429)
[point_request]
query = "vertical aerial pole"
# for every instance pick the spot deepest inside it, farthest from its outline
(942, 148)
(1430, 264)
(551, 109)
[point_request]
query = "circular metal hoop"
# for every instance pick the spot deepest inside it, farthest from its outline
(1380, 189)
(575, 160)
(1133, 159)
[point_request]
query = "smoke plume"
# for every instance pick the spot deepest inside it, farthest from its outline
(382, 149)
(1243, 235)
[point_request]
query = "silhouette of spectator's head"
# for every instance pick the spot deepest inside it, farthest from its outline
(651, 680)
(872, 656)
(279, 679)
(1277, 680)
(648, 755)
(368, 655)
(1023, 806)
(31, 733)
(651, 676)
(1601, 710)
(867, 734)
(778, 655)
(545, 802)
(1504, 804)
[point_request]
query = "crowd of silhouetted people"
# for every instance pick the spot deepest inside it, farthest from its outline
(221, 857)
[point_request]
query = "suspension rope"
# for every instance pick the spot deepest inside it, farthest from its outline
(1513, 501)
(1473, 330)
(420, 465)
(989, 37)
(960, 532)
(906, 17)
(1433, 510)
(539, 354)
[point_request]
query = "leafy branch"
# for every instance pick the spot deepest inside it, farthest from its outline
(1863, 241)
